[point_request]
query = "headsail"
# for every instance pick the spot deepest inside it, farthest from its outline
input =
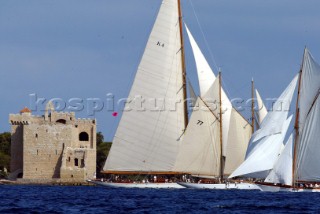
(278, 113)
(261, 160)
(282, 170)
(205, 74)
(262, 111)
(266, 142)
(146, 138)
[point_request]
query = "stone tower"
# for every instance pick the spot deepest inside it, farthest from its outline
(53, 146)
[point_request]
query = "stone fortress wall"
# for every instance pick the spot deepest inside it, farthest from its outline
(53, 146)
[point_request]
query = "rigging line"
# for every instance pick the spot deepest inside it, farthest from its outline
(314, 101)
(203, 35)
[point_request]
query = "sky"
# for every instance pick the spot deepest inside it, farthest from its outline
(87, 50)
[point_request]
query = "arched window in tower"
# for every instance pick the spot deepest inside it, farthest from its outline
(83, 136)
(62, 121)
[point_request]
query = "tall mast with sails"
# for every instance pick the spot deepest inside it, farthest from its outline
(252, 105)
(183, 64)
(221, 140)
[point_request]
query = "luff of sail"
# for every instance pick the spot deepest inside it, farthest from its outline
(146, 138)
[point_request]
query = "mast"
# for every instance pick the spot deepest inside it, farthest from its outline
(221, 143)
(296, 127)
(183, 64)
(252, 105)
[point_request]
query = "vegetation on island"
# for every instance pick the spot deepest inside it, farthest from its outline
(5, 144)
(103, 149)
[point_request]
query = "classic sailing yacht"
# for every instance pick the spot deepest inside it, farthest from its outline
(266, 143)
(300, 169)
(217, 136)
(155, 117)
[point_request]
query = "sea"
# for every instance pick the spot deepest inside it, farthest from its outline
(96, 199)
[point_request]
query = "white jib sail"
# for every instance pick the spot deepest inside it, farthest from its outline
(209, 91)
(262, 159)
(153, 119)
(199, 152)
(262, 110)
(205, 74)
(278, 113)
(282, 170)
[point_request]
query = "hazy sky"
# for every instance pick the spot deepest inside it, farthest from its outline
(86, 49)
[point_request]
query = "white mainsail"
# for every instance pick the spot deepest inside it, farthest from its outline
(310, 86)
(282, 170)
(262, 110)
(307, 167)
(199, 152)
(146, 138)
(265, 143)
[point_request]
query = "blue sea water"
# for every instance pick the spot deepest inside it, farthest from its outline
(94, 199)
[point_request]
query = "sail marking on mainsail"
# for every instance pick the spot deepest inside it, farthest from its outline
(146, 138)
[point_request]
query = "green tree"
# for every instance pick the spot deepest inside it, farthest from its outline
(5, 144)
(103, 149)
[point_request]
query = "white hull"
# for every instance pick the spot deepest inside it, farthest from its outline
(270, 188)
(241, 186)
(138, 185)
